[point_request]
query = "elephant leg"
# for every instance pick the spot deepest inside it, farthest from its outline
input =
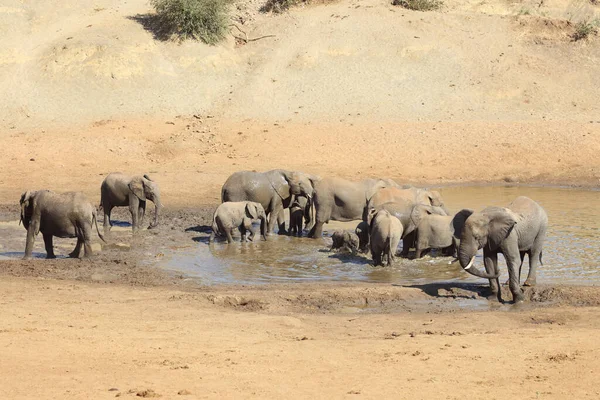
(535, 258)
(49, 245)
(86, 233)
(242, 230)
(77, 250)
(512, 256)
(107, 223)
(406, 242)
(276, 208)
(141, 213)
(281, 222)
(229, 235)
(490, 260)
(252, 233)
(134, 205)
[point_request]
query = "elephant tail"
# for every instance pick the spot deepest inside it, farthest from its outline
(541, 262)
(95, 222)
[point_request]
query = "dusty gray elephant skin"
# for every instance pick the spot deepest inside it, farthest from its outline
(119, 190)
(66, 215)
(402, 202)
(344, 240)
(239, 215)
(513, 231)
(385, 235)
(440, 232)
(274, 190)
(298, 211)
(338, 199)
(362, 231)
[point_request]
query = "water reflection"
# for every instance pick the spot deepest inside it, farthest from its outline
(571, 251)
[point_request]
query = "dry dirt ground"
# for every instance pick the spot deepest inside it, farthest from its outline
(479, 91)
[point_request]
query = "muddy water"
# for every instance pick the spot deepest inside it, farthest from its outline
(571, 252)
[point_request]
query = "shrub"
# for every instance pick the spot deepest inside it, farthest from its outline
(583, 29)
(419, 5)
(278, 6)
(206, 20)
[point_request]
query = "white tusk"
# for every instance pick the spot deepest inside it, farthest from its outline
(470, 263)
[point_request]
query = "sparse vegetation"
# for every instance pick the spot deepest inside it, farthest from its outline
(419, 5)
(205, 20)
(524, 11)
(583, 29)
(278, 6)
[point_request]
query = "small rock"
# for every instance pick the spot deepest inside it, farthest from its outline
(184, 392)
(32, 159)
(113, 390)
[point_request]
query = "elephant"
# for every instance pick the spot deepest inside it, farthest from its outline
(66, 215)
(345, 240)
(402, 202)
(514, 231)
(274, 190)
(362, 231)
(233, 215)
(299, 211)
(119, 190)
(385, 234)
(342, 200)
(440, 232)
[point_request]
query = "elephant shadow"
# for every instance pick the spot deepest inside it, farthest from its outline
(34, 255)
(453, 290)
(348, 257)
(199, 229)
(201, 239)
(122, 224)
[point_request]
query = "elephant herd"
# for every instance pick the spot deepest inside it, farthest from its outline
(72, 215)
(389, 213)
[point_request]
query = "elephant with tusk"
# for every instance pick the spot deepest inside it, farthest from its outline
(514, 231)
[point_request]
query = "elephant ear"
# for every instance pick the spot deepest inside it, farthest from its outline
(435, 198)
(137, 187)
(370, 215)
(24, 202)
(458, 222)
(251, 210)
(501, 223)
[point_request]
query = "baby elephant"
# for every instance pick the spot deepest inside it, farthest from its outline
(66, 215)
(233, 215)
(345, 240)
(385, 234)
(297, 215)
(362, 231)
(440, 232)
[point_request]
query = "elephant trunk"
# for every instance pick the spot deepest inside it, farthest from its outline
(157, 207)
(466, 257)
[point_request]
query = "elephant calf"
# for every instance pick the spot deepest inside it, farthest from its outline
(440, 232)
(345, 240)
(233, 215)
(362, 231)
(297, 215)
(66, 215)
(385, 234)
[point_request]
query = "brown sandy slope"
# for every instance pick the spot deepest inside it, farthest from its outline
(474, 92)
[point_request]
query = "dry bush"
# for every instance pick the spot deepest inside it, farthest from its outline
(205, 20)
(419, 5)
(584, 29)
